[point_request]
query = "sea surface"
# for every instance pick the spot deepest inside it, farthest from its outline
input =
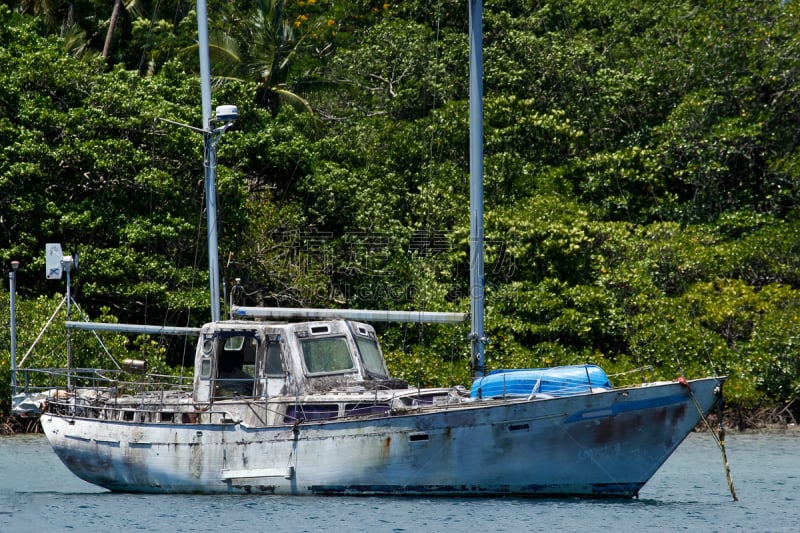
(689, 493)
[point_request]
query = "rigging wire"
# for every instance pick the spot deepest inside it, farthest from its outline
(149, 188)
(143, 59)
(429, 234)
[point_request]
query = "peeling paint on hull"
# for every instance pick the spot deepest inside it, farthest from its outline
(604, 444)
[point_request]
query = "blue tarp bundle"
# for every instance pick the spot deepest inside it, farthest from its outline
(555, 381)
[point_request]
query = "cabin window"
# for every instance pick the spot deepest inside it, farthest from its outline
(326, 355)
(371, 355)
(320, 411)
(274, 363)
(234, 344)
(205, 368)
(208, 350)
(366, 409)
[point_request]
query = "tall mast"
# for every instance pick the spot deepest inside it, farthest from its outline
(476, 282)
(12, 290)
(209, 159)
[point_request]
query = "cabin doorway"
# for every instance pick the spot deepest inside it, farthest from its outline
(236, 366)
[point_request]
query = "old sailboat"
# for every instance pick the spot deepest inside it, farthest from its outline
(301, 402)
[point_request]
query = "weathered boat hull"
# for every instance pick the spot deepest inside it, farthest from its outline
(602, 444)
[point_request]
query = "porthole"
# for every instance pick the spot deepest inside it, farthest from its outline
(208, 346)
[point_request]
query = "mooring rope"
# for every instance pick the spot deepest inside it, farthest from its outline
(719, 437)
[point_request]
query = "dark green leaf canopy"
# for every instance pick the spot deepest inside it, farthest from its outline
(641, 173)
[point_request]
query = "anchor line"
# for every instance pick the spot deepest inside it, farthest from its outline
(721, 441)
(719, 438)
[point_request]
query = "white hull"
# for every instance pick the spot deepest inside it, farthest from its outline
(604, 444)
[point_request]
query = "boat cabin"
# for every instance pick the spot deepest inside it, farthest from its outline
(262, 360)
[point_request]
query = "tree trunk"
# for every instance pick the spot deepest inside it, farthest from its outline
(111, 24)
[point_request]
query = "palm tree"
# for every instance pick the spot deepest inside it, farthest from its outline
(59, 18)
(112, 23)
(57, 14)
(132, 6)
(261, 47)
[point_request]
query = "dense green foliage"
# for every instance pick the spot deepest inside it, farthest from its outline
(642, 175)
